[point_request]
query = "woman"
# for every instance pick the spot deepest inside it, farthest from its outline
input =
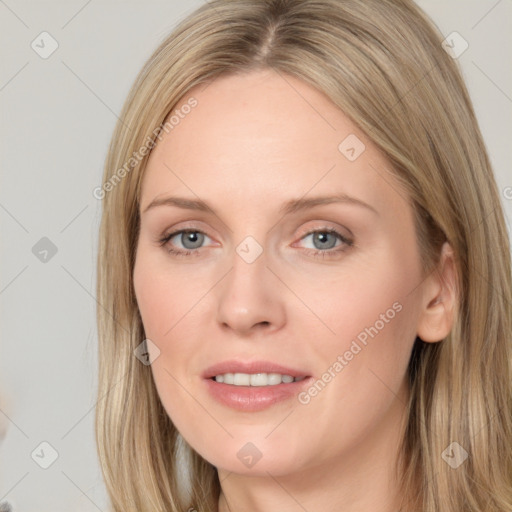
(245, 365)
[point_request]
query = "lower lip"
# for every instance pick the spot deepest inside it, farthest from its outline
(254, 398)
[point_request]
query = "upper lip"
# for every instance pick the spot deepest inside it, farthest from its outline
(234, 366)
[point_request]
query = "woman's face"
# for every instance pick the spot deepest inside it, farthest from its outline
(273, 280)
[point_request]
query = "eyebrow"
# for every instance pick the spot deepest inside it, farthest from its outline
(287, 208)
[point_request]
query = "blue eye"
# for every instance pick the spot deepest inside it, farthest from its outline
(323, 238)
(326, 239)
(186, 236)
(192, 240)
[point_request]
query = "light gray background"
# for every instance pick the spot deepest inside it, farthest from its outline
(58, 115)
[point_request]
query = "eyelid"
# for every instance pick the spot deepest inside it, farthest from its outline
(169, 236)
(179, 227)
(327, 228)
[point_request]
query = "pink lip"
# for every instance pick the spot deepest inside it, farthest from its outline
(253, 398)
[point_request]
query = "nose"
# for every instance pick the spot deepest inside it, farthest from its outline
(250, 298)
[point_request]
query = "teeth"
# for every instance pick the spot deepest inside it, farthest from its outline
(256, 379)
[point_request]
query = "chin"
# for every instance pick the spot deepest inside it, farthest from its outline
(253, 458)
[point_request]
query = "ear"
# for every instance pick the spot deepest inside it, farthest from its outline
(439, 299)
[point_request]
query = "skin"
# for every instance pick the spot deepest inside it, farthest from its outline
(253, 142)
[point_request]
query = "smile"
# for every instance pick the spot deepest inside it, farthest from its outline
(256, 379)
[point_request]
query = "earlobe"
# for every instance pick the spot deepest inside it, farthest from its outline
(440, 299)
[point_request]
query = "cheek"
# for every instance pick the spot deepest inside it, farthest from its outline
(372, 313)
(171, 309)
(362, 366)
(162, 296)
(161, 308)
(151, 300)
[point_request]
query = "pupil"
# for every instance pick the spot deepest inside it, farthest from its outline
(194, 238)
(322, 237)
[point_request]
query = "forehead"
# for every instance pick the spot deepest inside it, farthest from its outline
(258, 137)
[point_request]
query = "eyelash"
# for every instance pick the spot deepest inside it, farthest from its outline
(330, 253)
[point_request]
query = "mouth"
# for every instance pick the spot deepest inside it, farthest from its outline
(253, 386)
(256, 379)
(253, 373)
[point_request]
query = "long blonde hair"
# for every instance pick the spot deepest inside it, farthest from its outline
(382, 63)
